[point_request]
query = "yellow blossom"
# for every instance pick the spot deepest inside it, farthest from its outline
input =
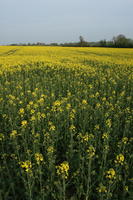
(102, 189)
(50, 149)
(120, 159)
(32, 111)
(52, 128)
(111, 174)
(72, 128)
(1, 136)
(97, 127)
(105, 136)
(91, 152)
(24, 123)
(13, 134)
(26, 165)
(21, 111)
(68, 106)
(108, 123)
(63, 169)
(124, 140)
(38, 158)
(33, 118)
(84, 102)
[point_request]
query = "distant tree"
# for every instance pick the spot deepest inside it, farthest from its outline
(82, 42)
(54, 44)
(103, 43)
(120, 41)
(130, 43)
(109, 44)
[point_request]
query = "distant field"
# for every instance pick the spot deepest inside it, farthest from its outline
(66, 123)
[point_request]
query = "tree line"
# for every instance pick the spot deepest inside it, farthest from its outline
(119, 41)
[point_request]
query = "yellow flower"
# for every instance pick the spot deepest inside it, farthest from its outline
(43, 115)
(13, 134)
(21, 111)
(91, 152)
(97, 94)
(31, 103)
(50, 149)
(122, 93)
(1, 136)
(108, 123)
(52, 128)
(35, 105)
(24, 123)
(72, 114)
(90, 86)
(33, 118)
(125, 140)
(102, 188)
(98, 105)
(32, 111)
(111, 174)
(105, 136)
(97, 127)
(34, 94)
(63, 169)
(72, 128)
(120, 159)
(41, 101)
(84, 102)
(85, 138)
(57, 106)
(26, 165)
(126, 188)
(68, 106)
(104, 99)
(36, 135)
(38, 158)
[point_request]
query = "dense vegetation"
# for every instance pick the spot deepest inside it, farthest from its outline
(119, 41)
(66, 121)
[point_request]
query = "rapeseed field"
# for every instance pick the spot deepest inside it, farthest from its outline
(66, 123)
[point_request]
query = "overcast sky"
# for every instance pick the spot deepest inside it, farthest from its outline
(64, 20)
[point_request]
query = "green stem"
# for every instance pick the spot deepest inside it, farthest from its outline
(64, 189)
(89, 180)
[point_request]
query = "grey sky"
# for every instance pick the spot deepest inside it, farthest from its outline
(64, 20)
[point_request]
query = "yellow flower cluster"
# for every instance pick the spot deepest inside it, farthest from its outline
(111, 174)
(91, 152)
(124, 140)
(50, 149)
(63, 169)
(72, 128)
(26, 165)
(13, 134)
(108, 123)
(84, 138)
(105, 136)
(84, 102)
(24, 123)
(21, 111)
(38, 158)
(120, 159)
(102, 188)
